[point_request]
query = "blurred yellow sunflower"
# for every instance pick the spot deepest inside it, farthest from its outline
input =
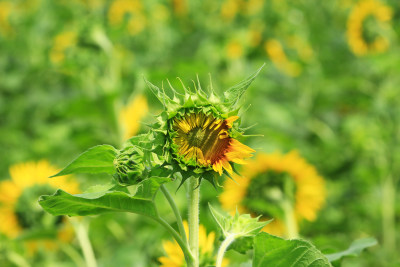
(229, 9)
(120, 9)
(61, 43)
(278, 56)
(204, 140)
(253, 7)
(5, 12)
(180, 7)
(279, 186)
(255, 33)
(357, 36)
(131, 115)
(301, 46)
(19, 208)
(234, 49)
(175, 257)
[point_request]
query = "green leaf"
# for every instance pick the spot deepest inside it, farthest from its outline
(99, 188)
(98, 159)
(148, 188)
(355, 249)
(233, 94)
(62, 203)
(270, 250)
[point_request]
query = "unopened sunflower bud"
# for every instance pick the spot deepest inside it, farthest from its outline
(130, 166)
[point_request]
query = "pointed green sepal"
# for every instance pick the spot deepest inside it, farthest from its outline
(168, 103)
(235, 93)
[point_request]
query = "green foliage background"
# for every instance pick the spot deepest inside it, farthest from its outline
(341, 111)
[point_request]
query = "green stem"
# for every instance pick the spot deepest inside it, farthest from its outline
(186, 251)
(288, 212)
(224, 246)
(73, 254)
(290, 220)
(83, 238)
(388, 214)
(193, 199)
(17, 259)
(176, 212)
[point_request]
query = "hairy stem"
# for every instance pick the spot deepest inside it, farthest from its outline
(193, 199)
(224, 246)
(176, 212)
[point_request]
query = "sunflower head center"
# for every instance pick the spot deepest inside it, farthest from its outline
(29, 213)
(267, 192)
(201, 139)
(196, 137)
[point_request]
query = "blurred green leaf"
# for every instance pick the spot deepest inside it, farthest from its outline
(37, 234)
(354, 250)
(270, 250)
(98, 159)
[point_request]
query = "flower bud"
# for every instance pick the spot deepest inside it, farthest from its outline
(129, 165)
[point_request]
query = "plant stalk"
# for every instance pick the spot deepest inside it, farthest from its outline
(193, 199)
(73, 254)
(388, 215)
(186, 251)
(224, 246)
(83, 238)
(290, 220)
(176, 212)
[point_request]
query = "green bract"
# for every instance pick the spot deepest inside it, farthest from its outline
(239, 225)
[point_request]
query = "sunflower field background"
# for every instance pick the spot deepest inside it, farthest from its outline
(325, 111)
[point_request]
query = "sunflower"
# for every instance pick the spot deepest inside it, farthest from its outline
(229, 9)
(269, 184)
(5, 12)
(197, 133)
(180, 7)
(278, 56)
(118, 11)
(19, 209)
(357, 35)
(234, 49)
(61, 43)
(131, 114)
(175, 257)
(203, 139)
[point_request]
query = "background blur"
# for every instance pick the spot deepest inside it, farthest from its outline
(71, 77)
